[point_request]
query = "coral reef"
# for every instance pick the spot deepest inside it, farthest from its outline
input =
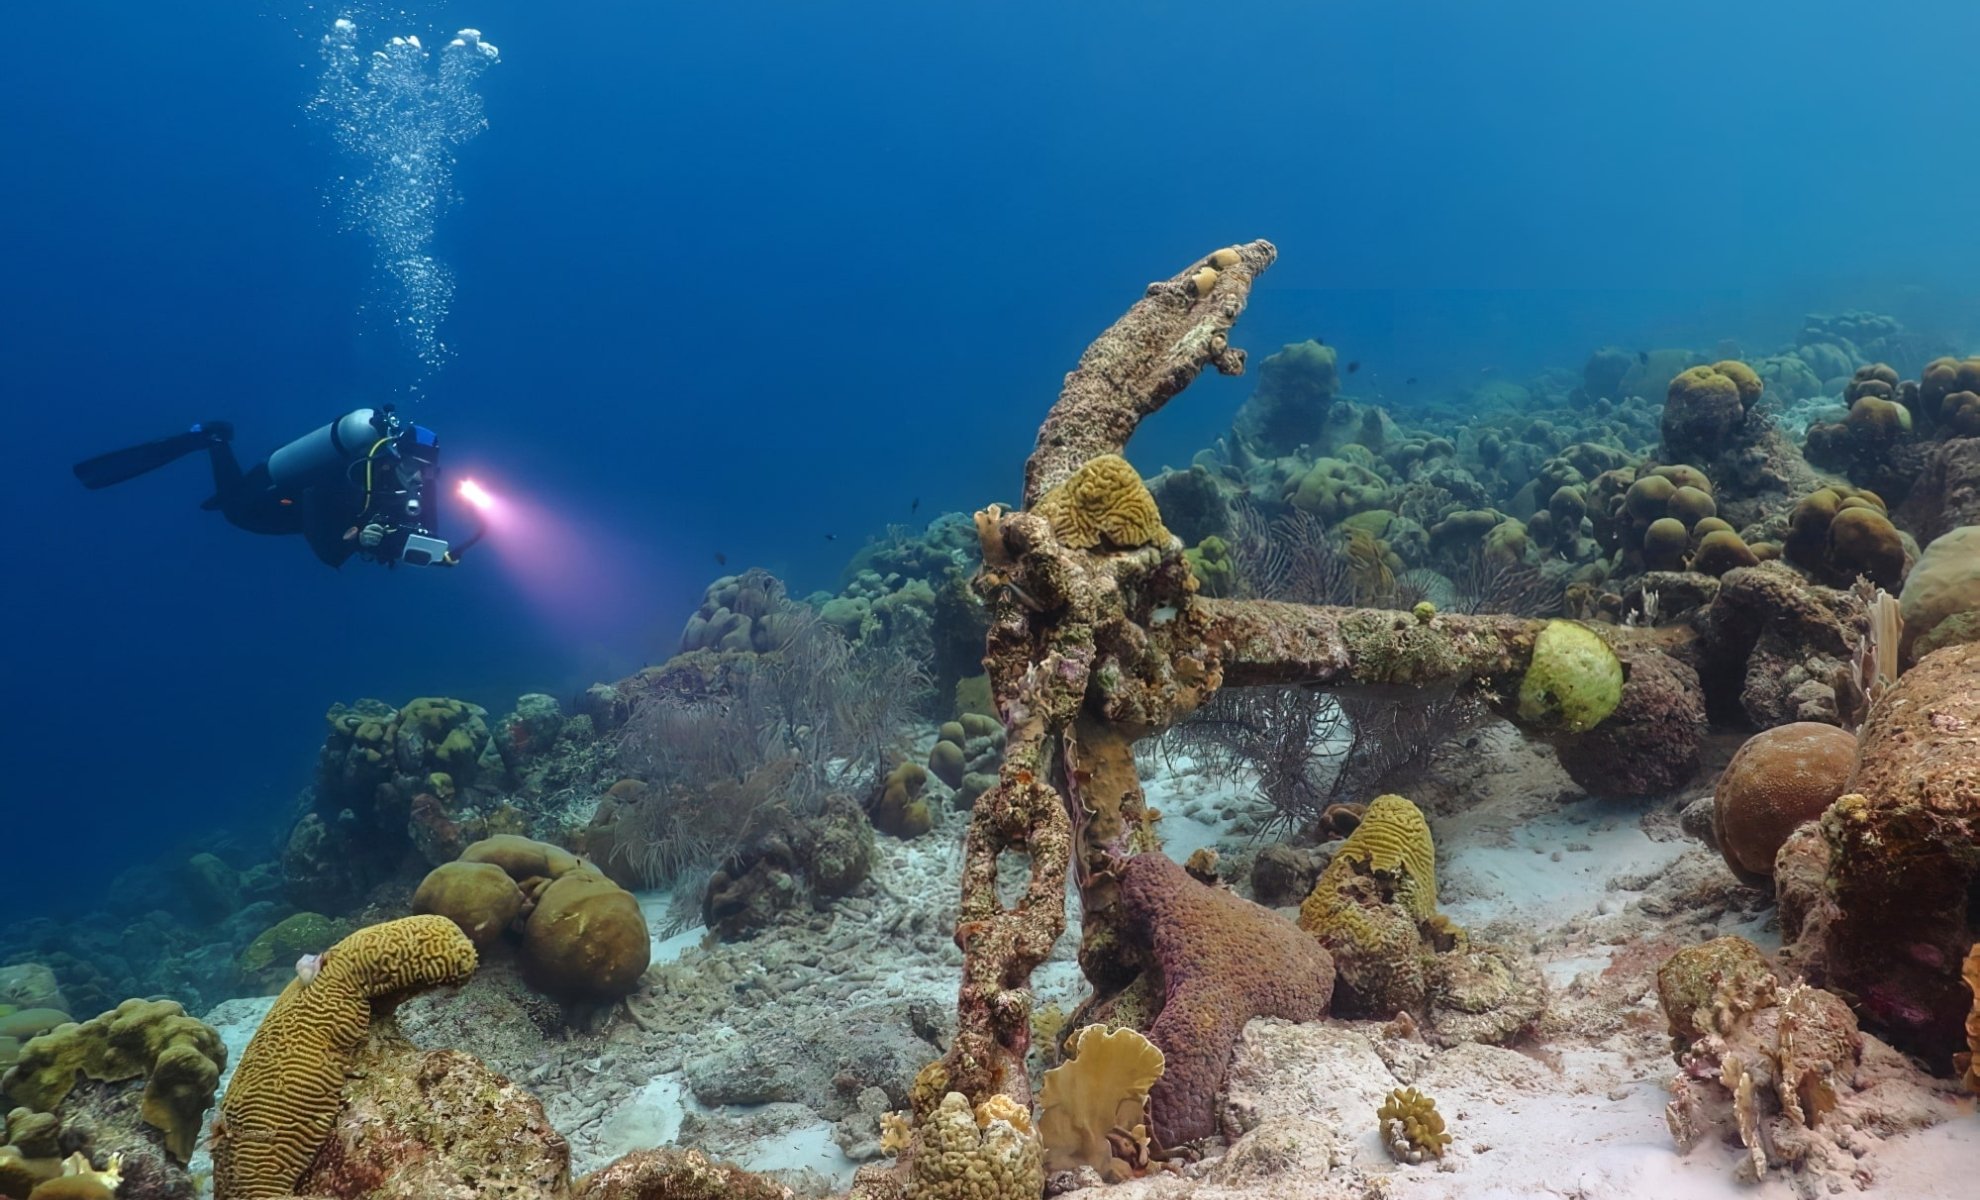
(283, 1100)
(1779, 779)
(1904, 858)
(1772, 1060)
(1650, 744)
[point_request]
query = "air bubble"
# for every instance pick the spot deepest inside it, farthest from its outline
(402, 121)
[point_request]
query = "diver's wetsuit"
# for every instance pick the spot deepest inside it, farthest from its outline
(323, 509)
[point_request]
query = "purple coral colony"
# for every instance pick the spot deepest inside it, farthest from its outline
(1363, 810)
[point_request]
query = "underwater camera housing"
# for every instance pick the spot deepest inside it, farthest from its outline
(396, 462)
(415, 468)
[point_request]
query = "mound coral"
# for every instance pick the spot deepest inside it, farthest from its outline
(1705, 406)
(1104, 504)
(965, 755)
(1778, 779)
(478, 896)
(179, 1057)
(746, 613)
(284, 1096)
(980, 1154)
(1102, 1088)
(1296, 388)
(900, 809)
(1838, 533)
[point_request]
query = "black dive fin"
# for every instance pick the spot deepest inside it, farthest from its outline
(119, 465)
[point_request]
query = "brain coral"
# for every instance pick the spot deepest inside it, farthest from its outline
(1368, 904)
(284, 1096)
(1103, 505)
(180, 1058)
(1223, 961)
(1779, 778)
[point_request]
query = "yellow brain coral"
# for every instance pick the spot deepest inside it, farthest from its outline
(284, 1096)
(1104, 1087)
(1103, 504)
(1394, 840)
(179, 1057)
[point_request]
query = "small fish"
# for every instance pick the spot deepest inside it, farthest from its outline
(1410, 382)
(1643, 356)
(831, 537)
(721, 559)
(1319, 341)
(916, 506)
(1354, 366)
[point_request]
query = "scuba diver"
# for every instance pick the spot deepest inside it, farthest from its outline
(359, 485)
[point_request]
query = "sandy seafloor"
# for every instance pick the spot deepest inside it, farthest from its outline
(761, 1051)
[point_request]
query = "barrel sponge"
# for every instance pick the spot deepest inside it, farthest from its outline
(975, 1155)
(285, 1093)
(1103, 504)
(178, 1056)
(521, 857)
(1778, 779)
(1941, 597)
(478, 896)
(1573, 682)
(587, 940)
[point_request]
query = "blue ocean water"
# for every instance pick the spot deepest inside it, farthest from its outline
(752, 280)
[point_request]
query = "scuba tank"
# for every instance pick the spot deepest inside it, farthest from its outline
(343, 441)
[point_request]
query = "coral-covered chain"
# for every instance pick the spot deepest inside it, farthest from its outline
(1089, 650)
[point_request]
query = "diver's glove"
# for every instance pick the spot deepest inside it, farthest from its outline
(371, 535)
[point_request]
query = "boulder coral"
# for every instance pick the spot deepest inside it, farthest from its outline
(1778, 779)
(1650, 743)
(1296, 388)
(586, 940)
(1704, 408)
(979, 1154)
(1573, 682)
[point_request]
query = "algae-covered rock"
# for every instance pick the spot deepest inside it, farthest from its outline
(1573, 682)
